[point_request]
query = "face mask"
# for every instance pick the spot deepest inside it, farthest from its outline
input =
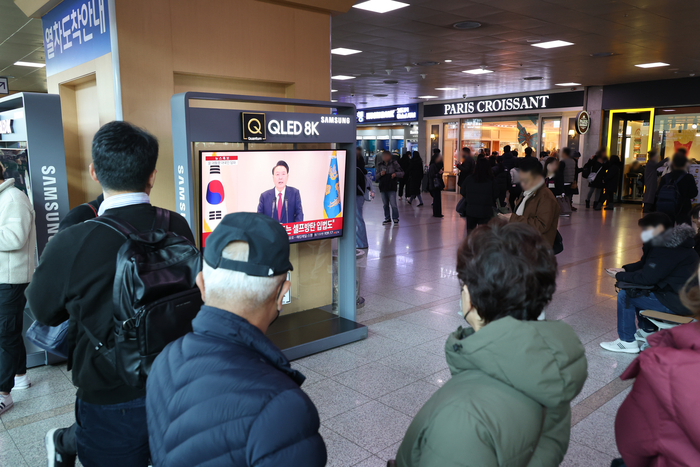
(647, 235)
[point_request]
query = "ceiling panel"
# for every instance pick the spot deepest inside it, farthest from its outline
(20, 39)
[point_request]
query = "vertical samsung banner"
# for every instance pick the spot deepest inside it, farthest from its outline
(75, 32)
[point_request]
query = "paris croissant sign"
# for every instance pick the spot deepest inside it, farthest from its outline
(527, 103)
(4, 87)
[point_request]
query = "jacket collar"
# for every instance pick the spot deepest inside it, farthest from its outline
(9, 183)
(220, 324)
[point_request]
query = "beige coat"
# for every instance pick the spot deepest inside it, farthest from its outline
(17, 235)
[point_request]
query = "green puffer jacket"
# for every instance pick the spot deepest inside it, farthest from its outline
(508, 402)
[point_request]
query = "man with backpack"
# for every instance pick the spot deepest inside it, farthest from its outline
(75, 280)
(676, 190)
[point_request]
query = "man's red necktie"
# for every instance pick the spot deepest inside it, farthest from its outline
(279, 207)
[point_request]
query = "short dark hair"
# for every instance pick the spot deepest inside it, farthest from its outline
(467, 150)
(531, 165)
(549, 161)
(566, 151)
(280, 164)
(506, 148)
(435, 151)
(509, 270)
(679, 160)
(654, 219)
(528, 151)
(482, 170)
(124, 156)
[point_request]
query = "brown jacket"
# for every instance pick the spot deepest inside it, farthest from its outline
(541, 212)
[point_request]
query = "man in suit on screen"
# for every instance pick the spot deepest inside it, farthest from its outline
(282, 203)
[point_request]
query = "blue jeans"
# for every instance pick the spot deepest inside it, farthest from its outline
(360, 228)
(389, 198)
(112, 435)
(628, 310)
(420, 198)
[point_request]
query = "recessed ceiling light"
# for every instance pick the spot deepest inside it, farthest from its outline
(651, 65)
(668, 110)
(381, 6)
(334, 90)
(334, 100)
(552, 44)
(342, 77)
(363, 103)
(428, 63)
(31, 64)
(381, 95)
(533, 78)
(448, 61)
(344, 51)
(478, 71)
(445, 89)
(427, 97)
(603, 54)
(466, 25)
(390, 81)
(568, 84)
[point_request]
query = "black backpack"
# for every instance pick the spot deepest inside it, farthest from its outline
(155, 297)
(668, 198)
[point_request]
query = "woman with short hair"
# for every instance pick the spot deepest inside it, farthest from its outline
(513, 377)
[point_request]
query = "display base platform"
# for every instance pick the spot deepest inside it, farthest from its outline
(312, 331)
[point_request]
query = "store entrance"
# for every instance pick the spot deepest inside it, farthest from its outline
(629, 137)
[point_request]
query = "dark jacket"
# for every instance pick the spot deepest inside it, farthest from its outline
(611, 179)
(466, 168)
(291, 210)
(651, 180)
(502, 180)
(415, 176)
(687, 189)
(668, 260)
(405, 162)
(361, 172)
(508, 401)
(224, 395)
(541, 212)
(658, 424)
(479, 198)
(81, 213)
(435, 177)
(595, 168)
(386, 182)
(75, 279)
(510, 161)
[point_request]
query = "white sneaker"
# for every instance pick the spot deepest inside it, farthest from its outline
(641, 335)
(22, 382)
(621, 346)
(5, 403)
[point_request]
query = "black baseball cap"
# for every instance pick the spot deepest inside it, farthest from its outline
(267, 240)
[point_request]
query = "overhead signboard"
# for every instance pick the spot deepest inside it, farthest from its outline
(396, 113)
(4, 86)
(583, 122)
(525, 103)
(75, 32)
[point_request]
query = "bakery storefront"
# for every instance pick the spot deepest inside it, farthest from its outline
(544, 121)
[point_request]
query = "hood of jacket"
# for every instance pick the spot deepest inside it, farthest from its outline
(681, 235)
(544, 360)
(9, 183)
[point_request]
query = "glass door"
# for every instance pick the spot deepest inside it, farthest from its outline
(629, 137)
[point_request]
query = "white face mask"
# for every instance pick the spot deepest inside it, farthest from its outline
(647, 235)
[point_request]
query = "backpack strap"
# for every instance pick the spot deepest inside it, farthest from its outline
(120, 226)
(162, 220)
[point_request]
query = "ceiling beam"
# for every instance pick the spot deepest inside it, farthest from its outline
(324, 6)
(36, 8)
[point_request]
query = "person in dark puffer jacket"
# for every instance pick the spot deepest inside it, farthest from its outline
(224, 395)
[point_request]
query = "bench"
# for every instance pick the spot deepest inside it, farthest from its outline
(665, 320)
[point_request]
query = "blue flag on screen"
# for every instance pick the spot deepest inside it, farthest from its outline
(331, 200)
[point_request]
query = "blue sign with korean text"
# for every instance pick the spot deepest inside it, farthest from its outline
(75, 32)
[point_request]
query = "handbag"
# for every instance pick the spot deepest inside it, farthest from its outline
(50, 338)
(564, 206)
(592, 176)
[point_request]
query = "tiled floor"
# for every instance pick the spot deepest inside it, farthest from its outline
(367, 392)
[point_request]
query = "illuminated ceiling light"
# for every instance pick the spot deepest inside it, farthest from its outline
(448, 61)
(668, 110)
(31, 64)
(552, 44)
(652, 65)
(445, 89)
(334, 90)
(381, 6)
(478, 71)
(427, 97)
(342, 77)
(334, 100)
(568, 84)
(344, 51)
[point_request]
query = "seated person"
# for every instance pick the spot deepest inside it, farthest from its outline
(658, 423)
(513, 377)
(668, 260)
(224, 395)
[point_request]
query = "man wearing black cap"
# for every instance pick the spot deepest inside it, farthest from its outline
(223, 394)
(282, 203)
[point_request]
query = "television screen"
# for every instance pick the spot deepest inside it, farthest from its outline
(303, 190)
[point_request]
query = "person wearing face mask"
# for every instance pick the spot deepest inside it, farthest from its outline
(224, 394)
(668, 260)
(513, 377)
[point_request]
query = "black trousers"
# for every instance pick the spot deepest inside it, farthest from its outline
(13, 355)
(610, 197)
(402, 185)
(437, 202)
(473, 222)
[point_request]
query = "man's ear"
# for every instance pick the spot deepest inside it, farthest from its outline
(93, 174)
(199, 280)
(285, 288)
(151, 181)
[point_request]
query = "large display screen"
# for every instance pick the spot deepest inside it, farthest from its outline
(303, 190)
